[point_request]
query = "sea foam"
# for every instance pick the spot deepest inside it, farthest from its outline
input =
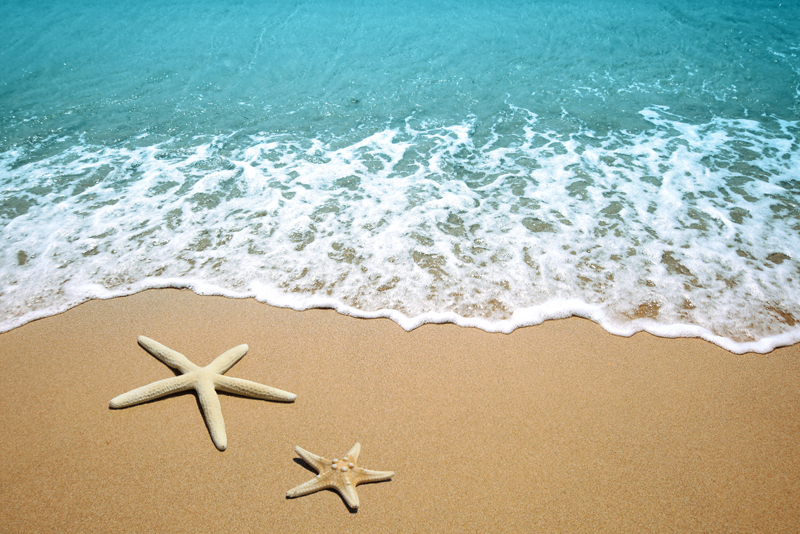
(680, 230)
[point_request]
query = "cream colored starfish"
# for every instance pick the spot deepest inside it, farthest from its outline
(205, 381)
(342, 475)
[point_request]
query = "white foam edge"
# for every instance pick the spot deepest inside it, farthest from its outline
(553, 309)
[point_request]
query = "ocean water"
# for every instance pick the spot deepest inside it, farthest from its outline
(492, 164)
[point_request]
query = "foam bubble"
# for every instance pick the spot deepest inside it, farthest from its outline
(681, 230)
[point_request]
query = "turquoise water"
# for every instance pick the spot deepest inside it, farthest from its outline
(485, 163)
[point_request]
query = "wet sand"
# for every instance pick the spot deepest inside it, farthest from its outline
(560, 427)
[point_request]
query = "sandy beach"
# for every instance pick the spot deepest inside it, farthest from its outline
(560, 427)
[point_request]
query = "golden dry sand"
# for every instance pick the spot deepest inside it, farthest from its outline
(555, 428)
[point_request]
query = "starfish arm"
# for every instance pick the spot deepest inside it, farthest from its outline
(317, 462)
(172, 358)
(252, 389)
(212, 412)
(311, 486)
(364, 476)
(152, 391)
(350, 496)
(227, 359)
(352, 454)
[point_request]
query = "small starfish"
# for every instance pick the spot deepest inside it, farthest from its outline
(205, 381)
(342, 475)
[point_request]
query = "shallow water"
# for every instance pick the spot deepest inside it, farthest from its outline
(491, 165)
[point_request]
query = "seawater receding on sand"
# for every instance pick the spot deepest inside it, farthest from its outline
(680, 230)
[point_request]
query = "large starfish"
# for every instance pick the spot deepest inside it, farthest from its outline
(342, 475)
(205, 381)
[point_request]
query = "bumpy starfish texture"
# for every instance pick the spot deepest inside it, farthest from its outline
(341, 475)
(205, 381)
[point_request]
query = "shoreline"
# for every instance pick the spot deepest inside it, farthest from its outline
(557, 309)
(555, 427)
